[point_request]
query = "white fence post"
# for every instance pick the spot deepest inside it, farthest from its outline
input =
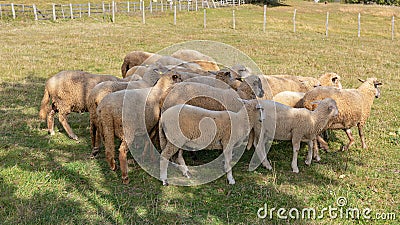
(197, 7)
(294, 21)
(151, 6)
(205, 19)
(54, 12)
(62, 11)
(174, 14)
(13, 11)
(1, 13)
(265, 18)
(113, 11)
(162, 6)
(143, 15)
(327, 24)
(35, 11)
(359, 24)
(127, 7)
(88, 9)
(71, 11)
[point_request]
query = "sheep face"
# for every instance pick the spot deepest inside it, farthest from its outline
(373, 81)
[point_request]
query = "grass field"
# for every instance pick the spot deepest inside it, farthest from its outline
(51, 180)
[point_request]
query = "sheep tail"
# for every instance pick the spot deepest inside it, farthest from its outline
(45, 107)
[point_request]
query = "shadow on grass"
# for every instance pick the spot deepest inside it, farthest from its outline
(50, 180)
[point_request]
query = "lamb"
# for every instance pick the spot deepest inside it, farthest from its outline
(96, 96)
(141, 115)
(275, 84)
(137, 58)
(285, 123)
(68, 91)
(354, 107)
(187, 126)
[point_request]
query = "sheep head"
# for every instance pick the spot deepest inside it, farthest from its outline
(373, 81)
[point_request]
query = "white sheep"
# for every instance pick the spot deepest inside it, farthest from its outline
(285, 123)
(289, 98)
(128, 114)
(354, 107)
(186, 126)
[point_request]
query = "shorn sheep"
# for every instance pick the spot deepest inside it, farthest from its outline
(185, 126)
(141, 114)
(68, 92)
(354, 107)
(285, 123)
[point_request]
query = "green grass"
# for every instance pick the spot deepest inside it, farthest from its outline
(51, 180)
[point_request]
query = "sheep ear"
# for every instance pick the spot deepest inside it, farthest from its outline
(361, 80)
(334, 79)
(315, 104)
(376, 83)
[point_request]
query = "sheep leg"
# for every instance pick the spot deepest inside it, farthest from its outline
(310, 152)
(50, 122)
(166, 154)
(182, 165)
(351, 140)
(109, 148)
(64, 121)
(296, 147)
(323, 143)
(316, 150)
(123, 149)
(262, 155)
(227, 166)
(360, 132)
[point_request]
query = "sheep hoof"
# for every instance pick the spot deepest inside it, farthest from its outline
(52, 133)
(125, 180)
(231, 181)
(296, 170)
(308, 162)
(165, 183)
(317, 159)
(74, 137)
(187, 174)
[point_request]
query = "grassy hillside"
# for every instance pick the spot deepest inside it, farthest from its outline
(51, 180)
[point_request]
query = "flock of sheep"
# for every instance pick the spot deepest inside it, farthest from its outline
(186, 101)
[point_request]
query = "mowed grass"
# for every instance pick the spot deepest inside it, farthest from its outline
(51, 180)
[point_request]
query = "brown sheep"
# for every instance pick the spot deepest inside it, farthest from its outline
(137, 58)
(68, 92)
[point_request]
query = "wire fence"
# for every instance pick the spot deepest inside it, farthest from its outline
(71, 11)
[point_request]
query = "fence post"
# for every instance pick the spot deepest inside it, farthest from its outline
(113, 11)
(35, 11)
(13, 10)
(1, 13)
(294, 21)
(88, 9)
(54, 12)
(359, 24)
(143, 15)
(62, 11)
(140, 5)
(174, 14)
(127, 6)
(327, 24)
(151, 6)
(71, 11)
(197, 7)
(162, 6)
(205, 19)
(265, 18)
(393, 28)
(233, 20)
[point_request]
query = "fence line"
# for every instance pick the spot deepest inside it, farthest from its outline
(71, 11)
